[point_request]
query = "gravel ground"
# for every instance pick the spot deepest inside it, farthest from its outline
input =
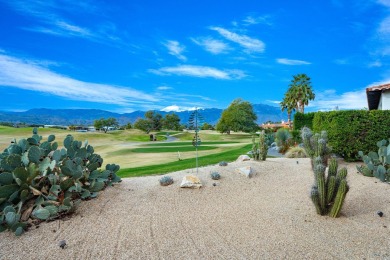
(269, 216)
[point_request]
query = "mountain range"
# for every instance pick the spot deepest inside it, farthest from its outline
(46, 116)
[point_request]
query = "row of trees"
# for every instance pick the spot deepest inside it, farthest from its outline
(239, 116)
(154, 121)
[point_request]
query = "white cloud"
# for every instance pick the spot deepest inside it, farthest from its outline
(292, 62)
(212, 45)
(248, 43)
(176, 49)
(329, 100)
(375, 64)
(384, 2)
(28, 75)
(250, 20)
(200, 71)
(164, 88)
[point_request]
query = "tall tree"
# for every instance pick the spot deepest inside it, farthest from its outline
(289, 104)
(171, 122)
(155, 119)
(104, 124)
(239, 116)
(143, 125)
(301, 91)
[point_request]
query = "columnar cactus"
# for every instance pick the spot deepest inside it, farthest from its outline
(260, 148)
(329, 190)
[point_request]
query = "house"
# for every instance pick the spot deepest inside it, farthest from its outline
(275, 125)
(378, 97)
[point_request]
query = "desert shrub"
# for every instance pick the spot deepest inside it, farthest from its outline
(39, 181)
(352, 131)
(283, 139)
(260, 148)
(166, 180)
(215, 176)
(296, 152)
(296, 136)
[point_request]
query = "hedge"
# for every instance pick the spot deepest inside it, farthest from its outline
(352, 131)
(301, 120)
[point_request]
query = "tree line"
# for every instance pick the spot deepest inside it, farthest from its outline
(239, 116)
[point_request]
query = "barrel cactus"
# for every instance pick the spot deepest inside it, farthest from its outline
(215, 176)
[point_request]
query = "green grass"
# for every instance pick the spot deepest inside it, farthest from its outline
(185, 164)
(187, 143)
(161, 150)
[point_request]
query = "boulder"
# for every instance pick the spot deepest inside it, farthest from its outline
(247, 171)
(242, 158)
(191, 181)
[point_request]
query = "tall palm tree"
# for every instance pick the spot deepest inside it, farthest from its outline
(301, 91)
(289, 104)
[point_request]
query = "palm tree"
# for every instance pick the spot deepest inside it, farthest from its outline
(300, 91)
(289, 104)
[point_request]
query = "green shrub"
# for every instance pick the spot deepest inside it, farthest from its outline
(40, 182)
(296, 136)
(352, 131)
(283, 140)
(301, 120)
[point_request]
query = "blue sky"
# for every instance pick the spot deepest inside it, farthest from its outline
(129, 55)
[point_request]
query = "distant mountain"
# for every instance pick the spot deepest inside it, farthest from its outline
(87, 116)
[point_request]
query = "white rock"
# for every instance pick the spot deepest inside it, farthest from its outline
(191, 181)
(242, 158)
(247, 171)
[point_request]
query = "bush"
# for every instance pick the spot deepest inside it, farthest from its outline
(352, 131)
(40, 182)
(296, 152)
(301, 120)
(283, 140)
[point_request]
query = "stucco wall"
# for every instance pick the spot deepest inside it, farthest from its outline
(384, 103)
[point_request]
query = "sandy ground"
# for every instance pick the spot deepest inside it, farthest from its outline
(269, 216)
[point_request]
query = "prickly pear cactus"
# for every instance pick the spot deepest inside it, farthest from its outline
(377, 164)
(39, 181)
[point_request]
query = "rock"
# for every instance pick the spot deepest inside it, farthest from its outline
(62, 244)
(380, 213)
(247, 171)
(191, 181)
(243, 158)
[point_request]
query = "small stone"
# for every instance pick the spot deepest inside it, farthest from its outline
(214, 184)
(243, 158)
(297, 162)
(62, 244)
(247, 171)
(380, 213)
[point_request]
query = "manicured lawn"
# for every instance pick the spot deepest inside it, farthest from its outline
(228, 156)
(187, 143)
